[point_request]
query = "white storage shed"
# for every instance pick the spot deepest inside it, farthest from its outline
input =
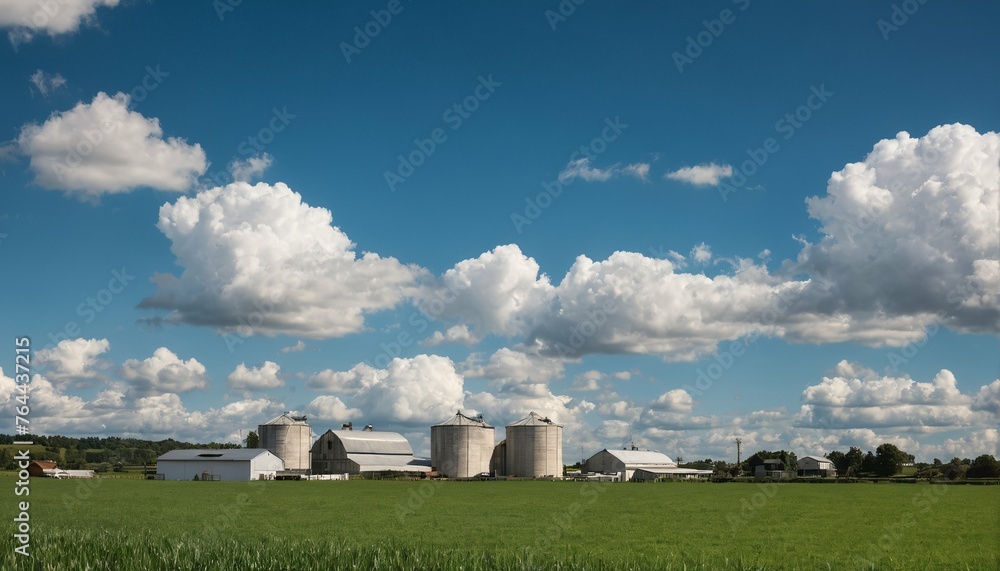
(228, 465)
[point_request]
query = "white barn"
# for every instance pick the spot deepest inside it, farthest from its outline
(227, 465)
(638, 465)
(816, 466)
(359, 451)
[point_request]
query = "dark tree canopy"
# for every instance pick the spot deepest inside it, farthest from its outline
(889, 460)
(252, 440)
(985, 466)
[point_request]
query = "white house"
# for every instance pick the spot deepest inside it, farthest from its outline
(816, 466)
(228, 465)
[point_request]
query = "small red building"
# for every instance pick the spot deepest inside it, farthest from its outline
(36, 467)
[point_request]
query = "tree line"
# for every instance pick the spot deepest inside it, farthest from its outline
(886, 461)
(98, 453)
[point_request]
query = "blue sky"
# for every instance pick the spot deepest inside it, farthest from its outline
(732, 189)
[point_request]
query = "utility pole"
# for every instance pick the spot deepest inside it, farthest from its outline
(739, 442)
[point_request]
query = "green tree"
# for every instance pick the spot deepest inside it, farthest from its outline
(985, 466)
(252, 440)
(854, 459)
(889, 460)
(868, 463)
(839, 460)
(955, 470)
(74, 460)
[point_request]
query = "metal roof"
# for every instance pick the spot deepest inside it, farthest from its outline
(389, 462)
(817, 458)
(666, 470)
(364, 442)
(233, 455)
(461, 420)
(641, 457)
(534, 419)
(286, 418)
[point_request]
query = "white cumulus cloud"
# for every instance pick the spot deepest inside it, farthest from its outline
(102, 147)
(677, 400)
(164, 372)
(73, 359)
(909, 244)
(245, 170)
(872, 401)
(709, 174)
(266, 376)
(911, 232)
(300, 345)
(455, 334)
(512, 365)
(25, 18)
(412, 391)
(258, 260)
(331, 409)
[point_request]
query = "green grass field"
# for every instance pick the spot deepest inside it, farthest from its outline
(142, 524)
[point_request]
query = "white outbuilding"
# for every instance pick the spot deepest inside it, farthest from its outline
(816, 466)
(636, 465)
(227, 465)
(359, 451)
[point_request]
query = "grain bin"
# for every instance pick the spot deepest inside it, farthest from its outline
(461, 446)
(498, 463)
(534, 448)
(288, 437)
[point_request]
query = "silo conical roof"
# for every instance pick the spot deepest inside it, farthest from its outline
(461, 420)
(286, 418)
(534, 419)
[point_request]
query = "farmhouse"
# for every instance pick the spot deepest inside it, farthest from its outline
(772, 468)
(358, 451)
(228, 465)
(638, 465)
(816, 466)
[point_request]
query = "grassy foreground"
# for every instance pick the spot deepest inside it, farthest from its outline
(139, 524)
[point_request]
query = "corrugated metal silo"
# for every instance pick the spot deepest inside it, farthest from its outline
(461, 446)
(498, 463)
(534, 448)
(288, 437)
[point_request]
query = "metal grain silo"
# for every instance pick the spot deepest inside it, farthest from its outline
(461, 446)
(534, 448)
(288, 437)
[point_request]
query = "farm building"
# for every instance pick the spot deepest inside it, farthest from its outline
(461, 446)
(60, 473)
(772, 468)
(227, 465)
(816, 466)
(349, 451)
(534, 448)
(652, 473)
(639, 465)
(498, 461)
(37, 468)
(288, 437)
